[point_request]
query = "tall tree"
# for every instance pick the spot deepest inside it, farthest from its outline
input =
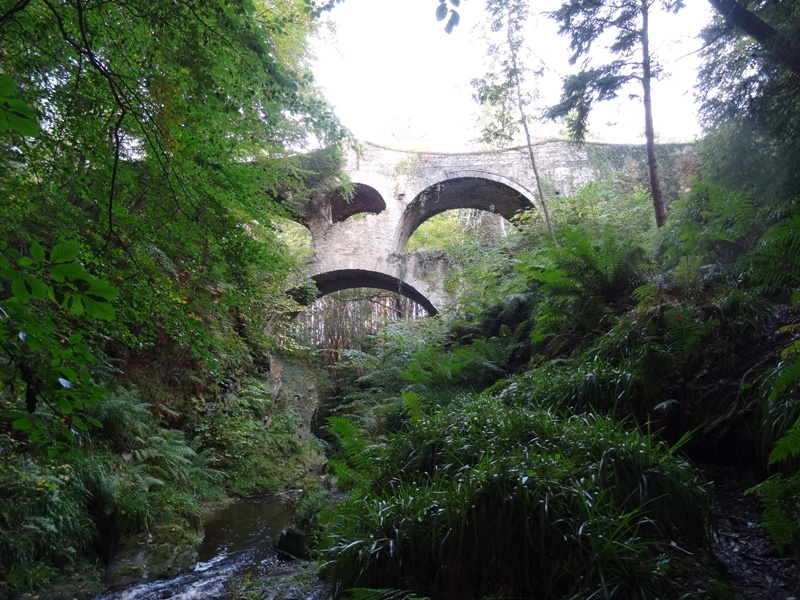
(165, 126)
(168, 132)
(503, 90)
(783, 46)
(749, 102)
(586, 22)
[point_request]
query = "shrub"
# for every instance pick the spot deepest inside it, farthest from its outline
(479, 499)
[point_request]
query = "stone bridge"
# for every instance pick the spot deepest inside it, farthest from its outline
(361, 242)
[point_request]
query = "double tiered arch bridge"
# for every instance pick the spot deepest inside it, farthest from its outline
(396, 191)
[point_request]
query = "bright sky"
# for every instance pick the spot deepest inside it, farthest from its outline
(395, 78)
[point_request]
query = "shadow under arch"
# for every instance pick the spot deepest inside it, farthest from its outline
(346, 279)
(366, 199)
(471, 189)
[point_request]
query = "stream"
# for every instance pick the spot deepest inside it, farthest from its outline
(239, 541)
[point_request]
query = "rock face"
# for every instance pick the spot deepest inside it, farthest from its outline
(166, 552)
(361, 241)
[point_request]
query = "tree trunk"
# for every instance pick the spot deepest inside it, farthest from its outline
(524, 117)
(649, 134)
(786, 51)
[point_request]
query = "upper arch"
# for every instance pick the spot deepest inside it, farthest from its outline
(464, 189)
(365, 199)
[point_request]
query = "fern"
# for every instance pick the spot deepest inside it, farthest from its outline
(776, 260)
(787, 446)
(732, 218)
(584, 282)
(357, 453)
(781, 408)
(684, 330)
(780, 498)
(413, 404)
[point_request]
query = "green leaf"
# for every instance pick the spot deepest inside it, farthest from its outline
(35, 286)
(27, 262)
(7, 86)
(20, 290)
(64, 252)
(98, 308)
(59, 272)
(18, 116)
(9, 274)
(94, 422)
(33, 342)
(787, 446)
(75, 338)
(67, 373)
(23, 424)
(65, 406)
(37, 251)
(102, 290)
(75, 305)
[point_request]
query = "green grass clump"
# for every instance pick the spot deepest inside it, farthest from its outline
(479, 499)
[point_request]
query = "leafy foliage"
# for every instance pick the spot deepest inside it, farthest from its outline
(56, 512)
(137, 247)
(501, 90)
(40, 363)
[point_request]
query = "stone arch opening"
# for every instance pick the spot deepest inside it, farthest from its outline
(458, 227)
(366, 199)
(470, 191)
(345, 279)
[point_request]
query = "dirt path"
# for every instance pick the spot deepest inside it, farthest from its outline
(747, 555)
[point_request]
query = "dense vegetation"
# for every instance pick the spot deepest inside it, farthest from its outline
(537, 419)
(535, 442)
(147, 150)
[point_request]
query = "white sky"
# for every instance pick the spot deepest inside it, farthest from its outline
(395, 78)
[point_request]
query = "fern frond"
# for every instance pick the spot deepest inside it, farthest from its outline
(787, 446)
(788, 377)
(780, 499)
(776, 260)
(413, 404)
(684, 330)
(357, 450)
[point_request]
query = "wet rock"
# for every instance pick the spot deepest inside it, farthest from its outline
(168, 551)
(293, 543)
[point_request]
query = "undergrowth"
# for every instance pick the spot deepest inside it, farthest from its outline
(479, 499)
